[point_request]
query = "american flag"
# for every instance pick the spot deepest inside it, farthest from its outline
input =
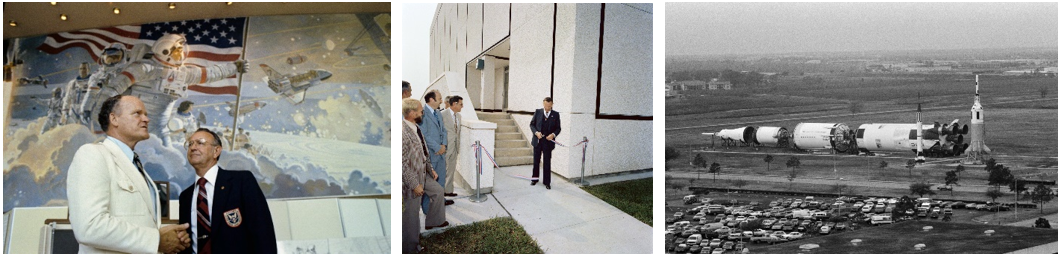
(210, 41)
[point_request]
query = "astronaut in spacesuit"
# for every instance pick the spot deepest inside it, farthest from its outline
(181, 125)
(162, 79)
(111, 62)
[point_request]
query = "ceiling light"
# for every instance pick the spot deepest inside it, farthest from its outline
(172, 6)
(54, 3)
(117, 11)
(62, 16)
(12, 23)
(228, 3)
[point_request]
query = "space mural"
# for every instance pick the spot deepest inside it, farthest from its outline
(306, 116)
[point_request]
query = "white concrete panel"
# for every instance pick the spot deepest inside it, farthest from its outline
(585, 58)
(384, 206)
(460, 34)
(495, 23)
(522, 14)
(625, 145)
(314, 219)
(531, 61)
(360, 218)
(281, 219)
(627, 79)
(25, 227)
(475, 28)
(471, 131)
(563, 76)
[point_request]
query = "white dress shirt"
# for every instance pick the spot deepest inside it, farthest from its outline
(210, 176)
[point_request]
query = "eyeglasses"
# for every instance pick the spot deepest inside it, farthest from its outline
(200, 141)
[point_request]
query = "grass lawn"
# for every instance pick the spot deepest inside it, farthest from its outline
(944, 238)
(493, 236)
(633, 197)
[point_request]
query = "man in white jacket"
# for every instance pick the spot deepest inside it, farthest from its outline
(113, 203)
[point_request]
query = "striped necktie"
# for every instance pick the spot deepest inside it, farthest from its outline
(202, 211)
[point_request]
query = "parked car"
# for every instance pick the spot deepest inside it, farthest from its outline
(879, 207)
(694, 239)
(948, 210)
(716, 243)
(867, 208)
(881, 219)
(794, 236)
(958, 205)
(728, 245)
(682, 248)
(718, 251)
(825, 230)
(694, 249)
(981, 206)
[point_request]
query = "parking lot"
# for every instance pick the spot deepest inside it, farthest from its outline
(720, 222)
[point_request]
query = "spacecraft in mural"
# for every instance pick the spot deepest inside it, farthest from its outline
(293, 86)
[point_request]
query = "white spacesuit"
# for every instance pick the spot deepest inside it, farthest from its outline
(111, 62)
(180, 125)
(162, 79)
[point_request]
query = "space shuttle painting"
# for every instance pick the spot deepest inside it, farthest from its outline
(305, 114)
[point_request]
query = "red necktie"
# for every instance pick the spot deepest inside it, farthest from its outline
(203, 225)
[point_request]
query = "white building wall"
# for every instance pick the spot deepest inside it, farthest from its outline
(625, 80)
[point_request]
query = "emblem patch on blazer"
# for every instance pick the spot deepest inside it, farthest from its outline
(233, 218)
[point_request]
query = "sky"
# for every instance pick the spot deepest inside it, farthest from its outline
(416, 35)
(756, 28)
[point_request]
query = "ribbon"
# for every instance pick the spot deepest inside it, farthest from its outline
(478, 160)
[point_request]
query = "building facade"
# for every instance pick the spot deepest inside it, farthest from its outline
(594, 60)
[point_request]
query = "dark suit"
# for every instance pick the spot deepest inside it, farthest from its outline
(235, 189)
(546, 124)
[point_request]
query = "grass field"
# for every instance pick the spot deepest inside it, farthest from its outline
(633, 197)
(494, 236)
(943, 238)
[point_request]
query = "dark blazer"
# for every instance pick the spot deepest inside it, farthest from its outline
(546, 125)
(253, 233)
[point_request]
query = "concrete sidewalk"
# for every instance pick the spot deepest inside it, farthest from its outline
(565, 219)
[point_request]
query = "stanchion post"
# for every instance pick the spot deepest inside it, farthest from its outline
(478, 172)
(583, 178)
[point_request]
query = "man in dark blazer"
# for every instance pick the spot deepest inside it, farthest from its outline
(230, 213)
(546, 126)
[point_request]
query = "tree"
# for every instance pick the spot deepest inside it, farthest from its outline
(905, 203)
(993, 194)
(883, 164)
(768, 159)
(671, 153)
(910, 167)
(699, 162)
(921, 189)
(1041, 195)
(951, 179)
(740, 183)
(959, 169)
(715, 169)
(793, 163)
(989, 164)
(998, 176)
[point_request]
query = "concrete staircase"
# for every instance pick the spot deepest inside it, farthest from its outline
(510, 147)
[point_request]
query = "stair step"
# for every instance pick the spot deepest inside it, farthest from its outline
(508, 136)
(513, 152)
(492, 116)
(507, 129)
(500, 144)
(514, 161)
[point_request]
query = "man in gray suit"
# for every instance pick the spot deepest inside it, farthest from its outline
(451, 118)
(436, 139)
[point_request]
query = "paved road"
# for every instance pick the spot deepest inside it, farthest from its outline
(818, 180)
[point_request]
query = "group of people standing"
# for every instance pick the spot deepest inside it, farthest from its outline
(430, 145)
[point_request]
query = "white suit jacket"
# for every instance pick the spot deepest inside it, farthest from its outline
(111, 210)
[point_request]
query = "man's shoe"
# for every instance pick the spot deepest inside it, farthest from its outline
(449, 202)
(451, 194)
(444, 224)
(534, 182)
(548, 187)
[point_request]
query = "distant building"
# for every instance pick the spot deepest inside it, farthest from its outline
(690, 85)
(717, 84)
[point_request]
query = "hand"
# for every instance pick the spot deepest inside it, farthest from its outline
(241, 66)
(173, 238)
(419, 190)
(538, 134)
(434, 176)
(442, 150)
(551, 137)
